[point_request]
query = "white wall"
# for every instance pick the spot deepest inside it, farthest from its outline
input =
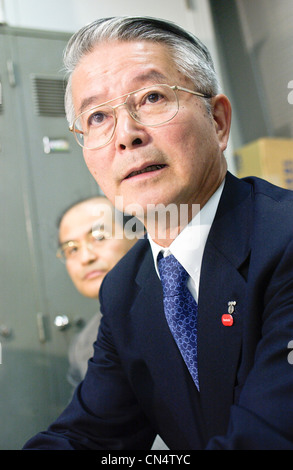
(70, 15)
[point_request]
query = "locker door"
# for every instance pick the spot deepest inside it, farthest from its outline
(41, 172)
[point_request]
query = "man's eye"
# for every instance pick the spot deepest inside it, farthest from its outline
(153, 97)
(71, 250)
(100, 236)
(97, 118)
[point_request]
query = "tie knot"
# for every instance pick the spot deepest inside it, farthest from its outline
(173, 275)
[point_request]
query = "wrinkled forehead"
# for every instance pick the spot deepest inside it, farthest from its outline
(114, 68)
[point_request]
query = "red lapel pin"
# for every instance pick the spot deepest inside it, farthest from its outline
(227, 318)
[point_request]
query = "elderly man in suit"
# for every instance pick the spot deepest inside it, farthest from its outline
(197, 317)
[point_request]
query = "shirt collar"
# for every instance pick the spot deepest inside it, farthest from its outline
(188, 246)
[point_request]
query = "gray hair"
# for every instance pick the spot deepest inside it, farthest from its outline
(190, 55)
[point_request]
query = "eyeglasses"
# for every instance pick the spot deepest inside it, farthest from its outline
(150, 106)
(72, 249)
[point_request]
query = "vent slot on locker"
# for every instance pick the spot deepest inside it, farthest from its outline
(48, 95)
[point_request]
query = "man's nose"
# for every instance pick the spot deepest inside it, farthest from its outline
(128, 133)
(87, 254)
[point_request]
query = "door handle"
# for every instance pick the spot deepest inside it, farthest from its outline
(61, 322)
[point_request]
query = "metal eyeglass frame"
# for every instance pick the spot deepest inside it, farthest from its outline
(175, 88)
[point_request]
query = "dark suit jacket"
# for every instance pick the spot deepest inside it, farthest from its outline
(137, 384)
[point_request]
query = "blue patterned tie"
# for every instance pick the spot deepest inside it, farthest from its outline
(180, 310)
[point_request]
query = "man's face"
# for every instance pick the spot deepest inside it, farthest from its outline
(88, 266)
(188, 149)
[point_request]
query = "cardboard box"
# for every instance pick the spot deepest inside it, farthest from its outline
(267, 158)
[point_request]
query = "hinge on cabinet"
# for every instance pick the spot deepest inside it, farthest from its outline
(41, 327)
(11, 72)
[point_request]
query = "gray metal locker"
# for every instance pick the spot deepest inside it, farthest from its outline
(41, 172)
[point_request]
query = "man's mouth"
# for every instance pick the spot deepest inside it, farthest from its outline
(145, 170)
(94, 274)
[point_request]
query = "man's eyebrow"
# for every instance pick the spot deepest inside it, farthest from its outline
(75, 241)
(89, 102)
(151, 76)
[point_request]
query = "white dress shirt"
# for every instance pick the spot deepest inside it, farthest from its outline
(188, 246)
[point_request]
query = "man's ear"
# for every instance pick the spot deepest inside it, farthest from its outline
(221, 110)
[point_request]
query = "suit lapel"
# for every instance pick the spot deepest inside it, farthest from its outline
(195, 415)
(223, 279)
